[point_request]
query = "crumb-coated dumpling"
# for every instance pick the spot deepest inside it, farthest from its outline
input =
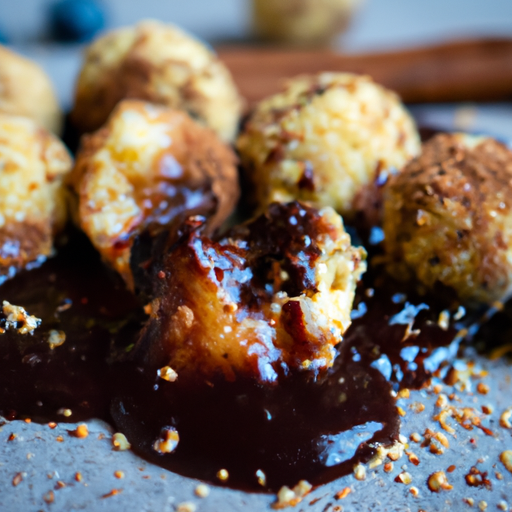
(159, 63)
(271, 296)
(448, 218)
(323, 139)
(26, 90)
(33, 208)
(147, 167)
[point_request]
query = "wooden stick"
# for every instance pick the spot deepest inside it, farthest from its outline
(478, 70)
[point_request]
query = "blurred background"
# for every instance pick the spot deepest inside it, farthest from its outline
(53, 33)
(376, 25)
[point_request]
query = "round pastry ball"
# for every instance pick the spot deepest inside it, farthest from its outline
(33, 208)
(323, 139)
(159, 63)
(26, 90)
(448, 218)
(146, 168)
(271, 296)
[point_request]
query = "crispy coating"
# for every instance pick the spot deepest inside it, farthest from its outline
(33, 209)
(271, 296)
(323, 139)
(148, 167)
(448, 218)
(159, 63)
(26, 90)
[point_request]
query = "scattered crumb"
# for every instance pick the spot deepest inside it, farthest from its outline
(400, 411)
(469, 501)
(119, 474)
(49, 497)
(444, 320)
(413, 458)
(65, 412)
(81, 431)
(262, 478)
(202, 491)
(52, 424)
(59, 439)
(442, 400)
(120, 442)
(113, 492)
(388, 467)
(502, 505)
(186, 506)
(287, 497)
(359, 472)
(343, 493)
(505, 419)
(414, 491)
(78, 476)
(506, 459)
(403, 393)
(477, 478)
(168, 440)
(482, 505)
(222, 475)
(60, 484)
(437, 481)
(17, 318)
(56, 338)
(403, 478)
(417, 407)
(451, 469)
(482, 388)
(18, 477)
(415, 437)
(167, 373)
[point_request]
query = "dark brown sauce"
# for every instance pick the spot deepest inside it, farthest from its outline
(296, 430)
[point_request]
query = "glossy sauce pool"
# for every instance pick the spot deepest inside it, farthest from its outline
(296, 430)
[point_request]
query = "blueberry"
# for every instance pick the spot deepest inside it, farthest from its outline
(76, 20)
(3, 36)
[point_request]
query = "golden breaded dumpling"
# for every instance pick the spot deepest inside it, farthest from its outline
(159, 63)
(33, 209)
(271, 296)
(26, 90)
(323, 139)
(448, 218)
(146, 168)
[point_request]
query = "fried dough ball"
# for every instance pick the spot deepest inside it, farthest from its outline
(146, 168)
(448, 218)
(323, 139)
(26, 90)
(159, 63)
(33, 209)
(273, 295)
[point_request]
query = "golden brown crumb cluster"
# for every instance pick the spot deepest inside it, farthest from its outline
(147, 167)
(447, 218)
(324, 139)
(159, 63)
(26, 90)
(33, 209)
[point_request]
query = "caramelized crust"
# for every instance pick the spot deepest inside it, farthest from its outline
(158, 63)
(274, 295)
(448, 218)
(147, 168)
